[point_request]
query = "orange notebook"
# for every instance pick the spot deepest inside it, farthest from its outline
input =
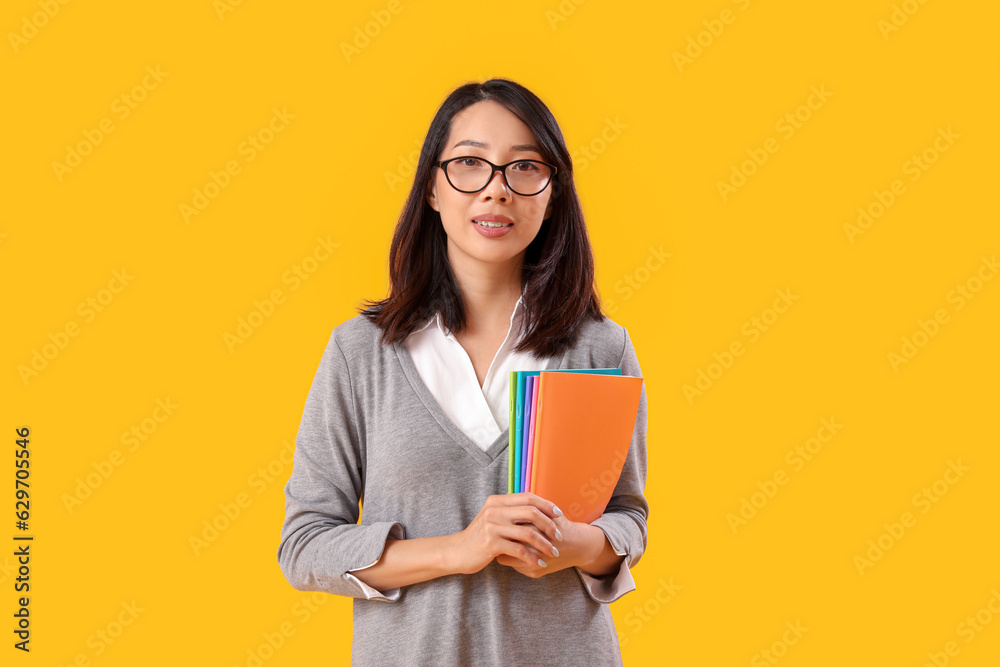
(583, 429)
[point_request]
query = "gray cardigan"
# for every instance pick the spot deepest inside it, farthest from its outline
(371, 427)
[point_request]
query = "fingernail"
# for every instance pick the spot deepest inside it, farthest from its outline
(558, 512)
(541, 563)
(555, 552)
(558, 535)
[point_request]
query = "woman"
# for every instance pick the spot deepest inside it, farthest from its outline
(491, 271)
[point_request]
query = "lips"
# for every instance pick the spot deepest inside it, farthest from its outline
(494, 219)
(492, 225)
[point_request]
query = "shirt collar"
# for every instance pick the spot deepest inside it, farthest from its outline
(437, 319)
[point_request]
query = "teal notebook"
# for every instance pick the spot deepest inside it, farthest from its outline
(514, 474)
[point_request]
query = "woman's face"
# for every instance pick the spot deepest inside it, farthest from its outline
(489, 131)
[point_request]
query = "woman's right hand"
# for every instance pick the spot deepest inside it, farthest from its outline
(519, 525)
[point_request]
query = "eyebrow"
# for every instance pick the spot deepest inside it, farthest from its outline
(515, 147)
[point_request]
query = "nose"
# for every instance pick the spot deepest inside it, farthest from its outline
(497, 186)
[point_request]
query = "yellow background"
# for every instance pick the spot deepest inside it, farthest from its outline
(706, 595)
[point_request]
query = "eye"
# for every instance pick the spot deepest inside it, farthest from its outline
(526, 166)
(469, 162)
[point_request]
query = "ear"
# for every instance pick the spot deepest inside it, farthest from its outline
(432, 196)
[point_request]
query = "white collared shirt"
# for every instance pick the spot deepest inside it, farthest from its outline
(482, 413)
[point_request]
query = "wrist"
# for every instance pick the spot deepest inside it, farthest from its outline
(600, 559)
(446, 555)
(595, 542)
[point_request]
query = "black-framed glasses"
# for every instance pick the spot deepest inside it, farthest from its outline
(469, 174)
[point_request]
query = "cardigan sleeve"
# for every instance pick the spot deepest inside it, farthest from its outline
(624, 519)
(321, 540)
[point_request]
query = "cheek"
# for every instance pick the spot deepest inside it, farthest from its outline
(541, 204)
(537, 211)
(453, 222)
(451, 208)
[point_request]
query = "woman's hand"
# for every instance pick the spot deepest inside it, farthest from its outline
(582, 545)
(518, 527)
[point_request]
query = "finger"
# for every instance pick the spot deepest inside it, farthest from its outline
(547, 507)
(539, 565)
(534, 515)
(528, 535)
(520, 555)
(521, 541)
(510, 561)
(519, 566)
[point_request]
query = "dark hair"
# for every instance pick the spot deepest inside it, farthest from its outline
(557, 275)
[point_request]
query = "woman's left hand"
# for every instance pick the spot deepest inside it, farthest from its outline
(581, 545)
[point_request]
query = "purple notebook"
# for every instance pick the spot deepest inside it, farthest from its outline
(529, 448)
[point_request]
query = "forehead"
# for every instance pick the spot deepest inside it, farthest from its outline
(489, 125)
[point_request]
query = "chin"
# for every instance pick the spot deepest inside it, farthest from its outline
(476, 252)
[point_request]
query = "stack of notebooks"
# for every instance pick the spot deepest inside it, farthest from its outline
(570, 432)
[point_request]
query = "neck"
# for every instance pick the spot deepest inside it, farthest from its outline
(489, 291)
